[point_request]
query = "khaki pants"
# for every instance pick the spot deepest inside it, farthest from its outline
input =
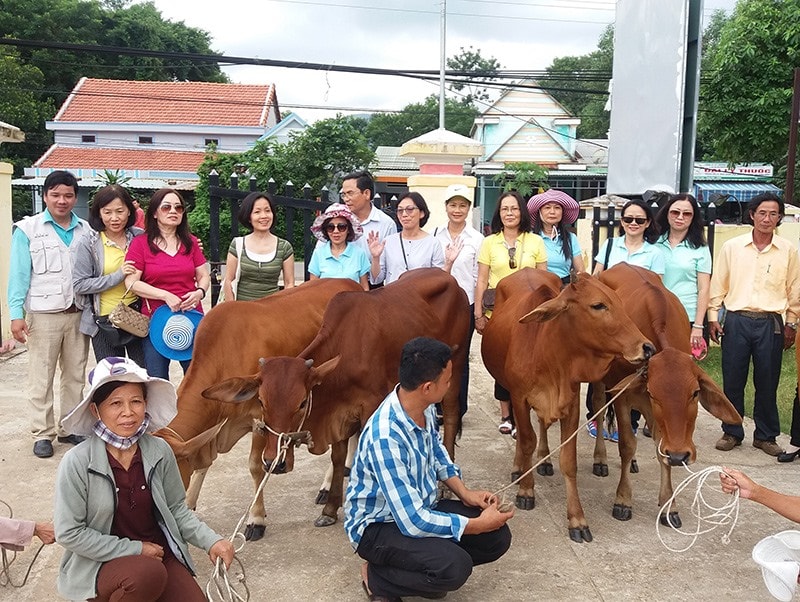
(54, 338)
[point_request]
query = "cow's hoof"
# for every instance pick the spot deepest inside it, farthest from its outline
(524, 502)
(515, 475)
(622, 512)
(600, 470)
(671, 520)
(254, 532)
(346, 472)
(322, 497)
(580, 534)
(324, 521)
(545, 469)
(634, 467)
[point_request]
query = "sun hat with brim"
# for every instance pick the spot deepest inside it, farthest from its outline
(172, 332)
(456, 191)
(568, 204)
(162, 402)
(779, 558)
(336, 210)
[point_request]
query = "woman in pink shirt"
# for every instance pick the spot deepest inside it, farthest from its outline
(170, 268)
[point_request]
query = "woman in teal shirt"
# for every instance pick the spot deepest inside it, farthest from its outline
(337, 256)
(552, 213)
(687, 260)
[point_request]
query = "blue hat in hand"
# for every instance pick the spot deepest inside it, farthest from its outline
(172, 332)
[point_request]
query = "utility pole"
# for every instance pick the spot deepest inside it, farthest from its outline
(442, 62)
(791, 158)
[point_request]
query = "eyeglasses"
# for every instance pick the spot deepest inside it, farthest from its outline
(346, 194)
(406, 210)
(336, 228)
(675, 213)
(639, 220)
(166, 208)
(509, 209)
(773, 215)
(512, 257)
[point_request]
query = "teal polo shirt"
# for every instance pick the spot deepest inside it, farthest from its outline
(681, 266)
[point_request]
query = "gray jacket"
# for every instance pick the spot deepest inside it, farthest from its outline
(88, 280)
(86, 501)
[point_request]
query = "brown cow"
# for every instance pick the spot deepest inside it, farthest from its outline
(348, 369)
(229, 341)
(540, 345)
(668, 396)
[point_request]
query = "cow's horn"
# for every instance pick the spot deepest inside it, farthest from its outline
(309, 363)
(262, 361)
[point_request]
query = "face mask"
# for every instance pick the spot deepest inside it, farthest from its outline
(110, 437)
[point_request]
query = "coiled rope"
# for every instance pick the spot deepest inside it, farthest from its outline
(708, 516)
(5, 567)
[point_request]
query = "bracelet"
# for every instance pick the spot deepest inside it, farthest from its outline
(792, 325)
(202, 290)
(700, 326)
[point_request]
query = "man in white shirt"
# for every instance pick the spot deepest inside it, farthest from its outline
(358, 188)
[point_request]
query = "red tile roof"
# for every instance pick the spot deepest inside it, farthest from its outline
(68, 157)
(124, 101)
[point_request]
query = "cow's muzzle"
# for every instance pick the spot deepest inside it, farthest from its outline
(678, 458)
(279, 468)
(649, 350)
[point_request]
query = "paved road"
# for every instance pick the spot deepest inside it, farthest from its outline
(297, 561)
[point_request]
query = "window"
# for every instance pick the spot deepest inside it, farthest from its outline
(214, 141)
(88, 139)
(145, 140)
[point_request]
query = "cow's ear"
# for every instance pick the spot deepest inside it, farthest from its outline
(234, 390)
(714, 401)
(634, 382)
(546, 311)
(319, 374)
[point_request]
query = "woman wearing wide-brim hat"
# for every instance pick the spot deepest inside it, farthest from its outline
(120, 509)
(338, 257)
(552, 214)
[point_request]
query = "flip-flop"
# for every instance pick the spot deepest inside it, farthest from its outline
(701, 351)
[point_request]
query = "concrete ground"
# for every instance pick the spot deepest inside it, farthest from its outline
(296, 561)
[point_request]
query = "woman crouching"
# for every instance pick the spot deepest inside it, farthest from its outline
(120, 509)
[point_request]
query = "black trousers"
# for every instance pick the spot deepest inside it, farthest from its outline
(104, 347)
(427, 566)
(762, 341)
(795, 432)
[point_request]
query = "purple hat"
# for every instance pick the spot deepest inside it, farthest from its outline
(336, 210)
(568, 204)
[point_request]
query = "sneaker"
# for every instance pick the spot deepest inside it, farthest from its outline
(646, 432)
(591, 426)
(728, 442)
(768, 447)
(613, 436)
(506, 426)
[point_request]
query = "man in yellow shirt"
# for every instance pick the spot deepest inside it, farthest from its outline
(757, 277)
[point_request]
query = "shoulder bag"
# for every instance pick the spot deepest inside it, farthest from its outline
(128, 319)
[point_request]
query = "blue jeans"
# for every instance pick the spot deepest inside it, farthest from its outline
(157, 365)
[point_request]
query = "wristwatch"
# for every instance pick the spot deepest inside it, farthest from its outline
(792, 325)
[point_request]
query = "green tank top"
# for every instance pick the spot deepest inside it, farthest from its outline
(260, 278)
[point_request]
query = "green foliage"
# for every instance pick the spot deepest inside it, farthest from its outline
(318, 156)
(475, 68)
(746, 96)
(395, 129)
(572, 81)
(523, 177)
(41, 79)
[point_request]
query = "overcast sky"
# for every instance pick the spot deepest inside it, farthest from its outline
(521, 34)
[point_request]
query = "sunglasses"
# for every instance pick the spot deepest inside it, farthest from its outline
(512, 257)
(166, 208)
(336, 228)
(406, 210)
(674, 213)
(639, 220)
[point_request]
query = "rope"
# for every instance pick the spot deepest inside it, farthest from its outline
(717, 516)
(5, 568)
(639, 373)
(219, 584)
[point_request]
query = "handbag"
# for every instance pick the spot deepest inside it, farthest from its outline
(128, 319)
(115, 336)
(239, 242)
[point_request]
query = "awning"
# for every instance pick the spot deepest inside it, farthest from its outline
(737, 191)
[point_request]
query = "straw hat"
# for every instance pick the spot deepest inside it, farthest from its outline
(336, 210)
(568, 204)
(162, 402)
(779, 558)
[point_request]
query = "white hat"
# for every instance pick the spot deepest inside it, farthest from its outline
(457, 190)
(162, 402)
(779, 558)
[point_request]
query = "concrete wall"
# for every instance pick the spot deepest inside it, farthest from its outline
(432, 188)
(6, 170)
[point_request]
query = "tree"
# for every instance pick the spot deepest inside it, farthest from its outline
(524, 177)
(53, 73)
(746, 96)
(577, 82)
(473, 67)
(394, 129)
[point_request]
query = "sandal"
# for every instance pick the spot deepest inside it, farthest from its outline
(506, 426)
(376, 598)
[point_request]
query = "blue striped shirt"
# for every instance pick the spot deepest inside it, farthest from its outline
(395, 476)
